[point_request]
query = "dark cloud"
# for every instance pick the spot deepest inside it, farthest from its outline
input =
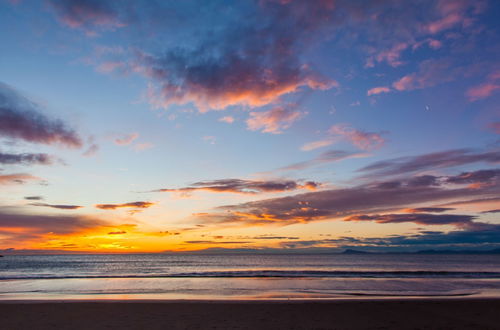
(450, 158)
(34, 198)
(481, 176)
(26, 159)
(429, 209)
(329, 156)
(492, 211)
(458, 239)
(424, 181)
(43, 224)
(139, 205)
(121, 232)
(418, 218)
(244, 186)
(22, 119)
(216, 242)
(58, 206)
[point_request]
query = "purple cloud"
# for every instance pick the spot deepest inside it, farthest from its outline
(21, 118)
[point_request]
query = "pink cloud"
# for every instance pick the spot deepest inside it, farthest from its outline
(86, 14)
(482, 91)
(273, 121)
(486, 89)
(390, 56)
(126, 139)
(142, 146)
(430, 73)
(378, 90)
(361, 139)
(317, 144)
(495, 127)
(453, 13)
(227, 119)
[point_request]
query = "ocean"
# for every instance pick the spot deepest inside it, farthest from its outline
(248, 276)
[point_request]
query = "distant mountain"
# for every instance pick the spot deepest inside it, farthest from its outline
(352, 251)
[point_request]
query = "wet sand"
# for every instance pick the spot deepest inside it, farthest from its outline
(353, 314)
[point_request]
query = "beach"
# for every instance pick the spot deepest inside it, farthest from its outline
(299, 314)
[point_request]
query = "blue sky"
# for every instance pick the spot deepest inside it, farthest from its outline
(216, 122)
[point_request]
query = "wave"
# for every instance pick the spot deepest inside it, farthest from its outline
(272, 274)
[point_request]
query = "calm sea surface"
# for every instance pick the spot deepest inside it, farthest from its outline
(157, 276)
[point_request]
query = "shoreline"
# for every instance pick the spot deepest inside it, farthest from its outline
(456, 313)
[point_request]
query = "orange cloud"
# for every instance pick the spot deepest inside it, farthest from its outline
(273, 121)
(378, 90)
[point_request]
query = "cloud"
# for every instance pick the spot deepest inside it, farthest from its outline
(474, 238)
(142, 146)
(42, 224)
(121, 232)
(330, 204)
(476, 178)
(126, 139)
(492, 211)
(210, 139)
(34, 198)
(139, 205)
(17, 178)
(495, 127)
(418, 218)
(436, 160)
(21, 118)
(91, 150)
(361, 139)
(390, 56)
(227, 119)
(317, 144)
(244, 186)
(26, 159)
(50, 231)
(431, 72)
(323, 158)
(58, 206)
(86, 14)
(452, 13)
(378, 90)
(251, 62)
(486, 89)
(429, 210)
(273, 121)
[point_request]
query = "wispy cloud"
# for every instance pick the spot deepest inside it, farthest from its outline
(27, 159)
(138, 205)
(21, 118)
(329, 156)
(17, 178)
(227, 119)
(273, 121)
(243, 186)
(58, 206)
(486, 89)
(443, 159)
(126, 139)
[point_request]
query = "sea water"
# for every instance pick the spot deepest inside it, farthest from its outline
(248, 276)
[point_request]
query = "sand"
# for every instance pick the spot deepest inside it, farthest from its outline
(355, 314)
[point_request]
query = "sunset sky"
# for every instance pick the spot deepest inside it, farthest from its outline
(149, 126)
